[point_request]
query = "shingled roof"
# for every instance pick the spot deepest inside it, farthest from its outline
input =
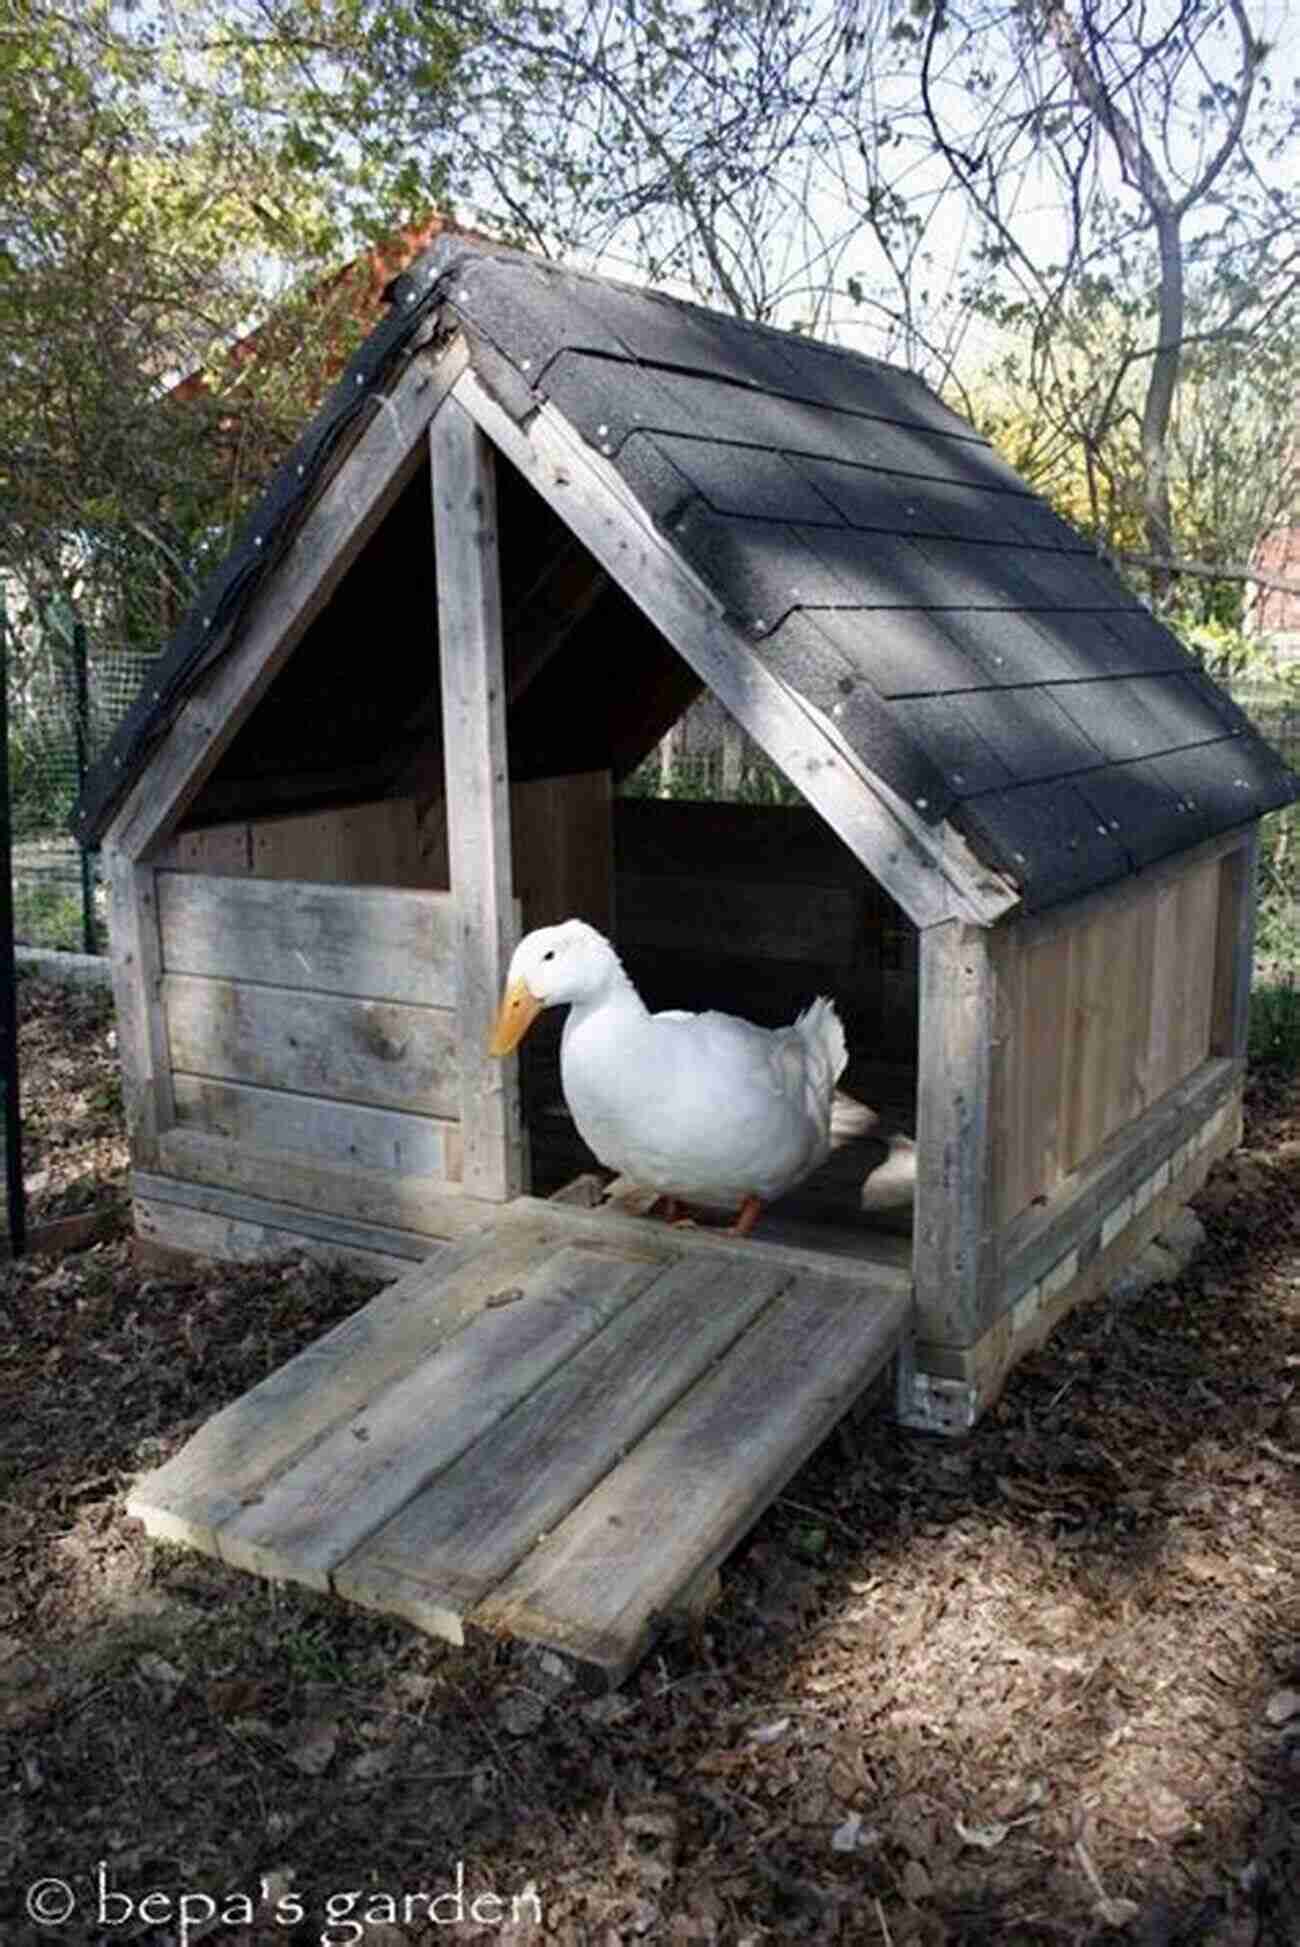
(872, 551)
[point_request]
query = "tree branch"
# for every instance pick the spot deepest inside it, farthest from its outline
(1207, 571)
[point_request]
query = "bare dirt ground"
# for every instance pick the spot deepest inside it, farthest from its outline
(1040, 1686)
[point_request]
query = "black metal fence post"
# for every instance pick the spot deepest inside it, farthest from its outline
(15, 1196)
(81, 731)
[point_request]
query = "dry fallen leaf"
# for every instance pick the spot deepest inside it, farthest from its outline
(520, 1712)
(917, 1884)
(315, 1746)
(986, 1837)
(1282, 1706)
(847, 1837)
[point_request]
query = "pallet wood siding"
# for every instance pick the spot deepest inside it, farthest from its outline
(376, 844)
(312, 1045)
(560, 831)
(562, 860)
(1063, 1254)
(1100, 1013)
(761, 907)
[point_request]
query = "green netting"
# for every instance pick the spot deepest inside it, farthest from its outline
(66, 695)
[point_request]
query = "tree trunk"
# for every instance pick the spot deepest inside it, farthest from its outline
(1162, 383)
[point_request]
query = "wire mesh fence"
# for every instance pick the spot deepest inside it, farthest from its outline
(66, 695)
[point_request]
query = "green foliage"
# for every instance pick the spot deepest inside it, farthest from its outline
(1064, 404)
(699, 780)
(47, 913)
(1275, 1025)
(167, 178)
(1239, 659)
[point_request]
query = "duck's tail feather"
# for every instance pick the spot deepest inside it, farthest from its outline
(823, 1033)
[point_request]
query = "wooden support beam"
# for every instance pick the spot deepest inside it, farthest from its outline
(561, 598)
(137, 996)
(955, 1237)
(477, 790)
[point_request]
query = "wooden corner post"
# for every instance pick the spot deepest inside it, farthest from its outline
(137, 996)
(954, 1252)
(471, 662)
(1235, 949)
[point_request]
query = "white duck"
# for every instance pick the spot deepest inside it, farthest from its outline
(702, 1106)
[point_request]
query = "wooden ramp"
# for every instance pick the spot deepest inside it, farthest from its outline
(551, 1429)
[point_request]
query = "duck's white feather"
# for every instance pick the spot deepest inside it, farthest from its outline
(703, 1106)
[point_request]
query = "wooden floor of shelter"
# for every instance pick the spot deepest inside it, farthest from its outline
(551, 1429)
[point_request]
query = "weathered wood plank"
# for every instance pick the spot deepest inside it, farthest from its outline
(363, 844)
(350, 507)
(1124, 1053)
(1145, 1083)
(1111, 1012)
(563, 849)
(1088, 1027)
(328, 1226)
(369, 941)
(1234, 949)
(1046, 995)
(923, 869)
(426, 1206)
(1163, 1027)
(141, 1032)
(385, 1053)
(170, 1232)
(252, 1440)
(676, 1506)
(1199, 928)
(225, 849)
(981, 1370)
(955, 1232)
(1043, 1234)
(356, 845)
(471, 667)
(1010, 1159)
(884, 1260)
(312, 1129)
(303, 1523)
(446, 1549)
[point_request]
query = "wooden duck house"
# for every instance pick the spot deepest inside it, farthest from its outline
(539, 516)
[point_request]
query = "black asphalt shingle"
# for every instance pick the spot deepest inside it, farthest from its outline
(909, 651)
(873, 551)
(1052, 841)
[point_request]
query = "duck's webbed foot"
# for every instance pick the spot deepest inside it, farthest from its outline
(748, 1215)
(671, 1209)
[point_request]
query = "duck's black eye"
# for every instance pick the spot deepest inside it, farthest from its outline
(549, 953)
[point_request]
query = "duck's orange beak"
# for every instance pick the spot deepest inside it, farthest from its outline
(518, 1010)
